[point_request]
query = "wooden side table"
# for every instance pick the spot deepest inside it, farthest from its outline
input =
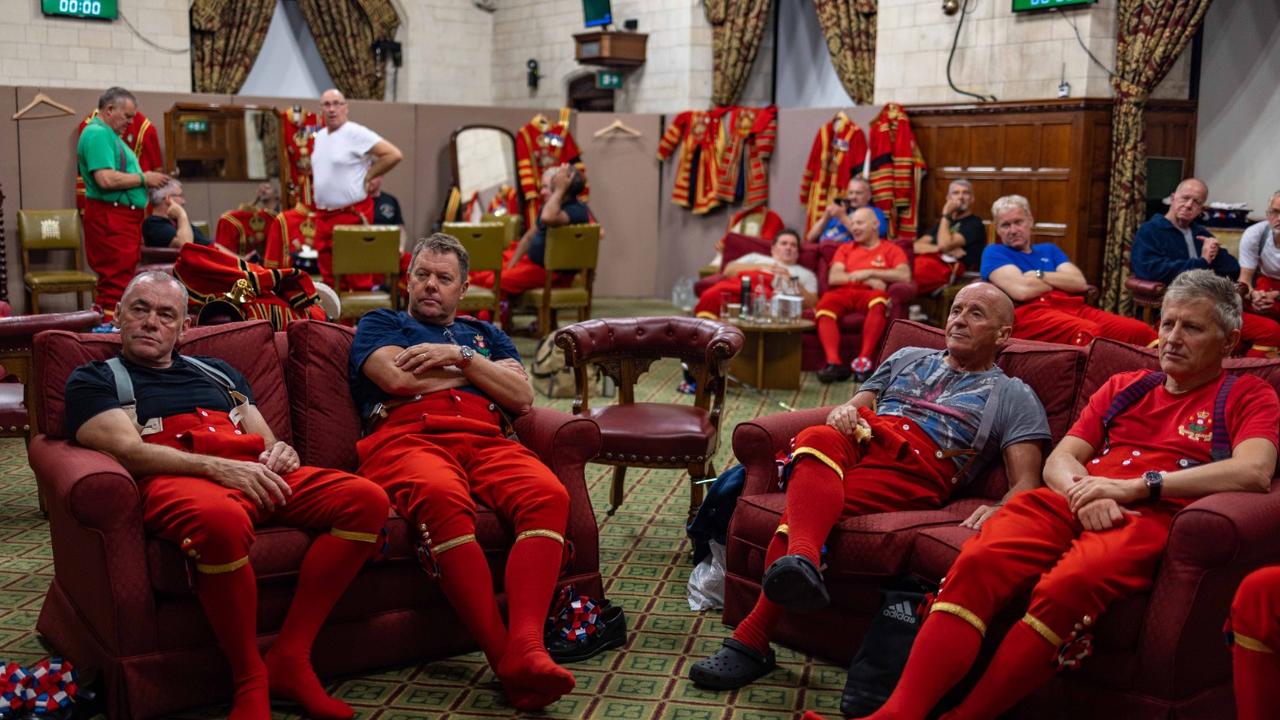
(770, 358)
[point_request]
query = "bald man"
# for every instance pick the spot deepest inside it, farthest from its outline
(906, 441)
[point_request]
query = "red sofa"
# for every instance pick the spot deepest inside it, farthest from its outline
(122, 603)
(1156, 655)
(817, 257)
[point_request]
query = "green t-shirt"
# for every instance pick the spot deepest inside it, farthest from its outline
(100, 147)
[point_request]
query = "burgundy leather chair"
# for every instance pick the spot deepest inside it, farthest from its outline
(158, 259)
(656, 435)
(121, 602)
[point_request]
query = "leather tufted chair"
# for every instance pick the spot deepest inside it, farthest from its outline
(655, 435)
(1147, 296)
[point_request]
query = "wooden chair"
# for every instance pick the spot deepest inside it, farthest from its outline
(484, 243)
(570, 248)
(655, 435)
(53, 230)
(367, 250)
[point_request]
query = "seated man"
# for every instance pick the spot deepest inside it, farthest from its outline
(1047, 288)
(860, 273)
(1260, 261)
(780, 269)
(209, 469)
(560, 206)
(906, 441)
(1097, 532)
(954, 245)
(168, 225)
(435, 390)
(836, 225)
(1169, 244)
(1255, 635)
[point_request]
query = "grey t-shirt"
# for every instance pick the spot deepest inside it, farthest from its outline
(948, 403)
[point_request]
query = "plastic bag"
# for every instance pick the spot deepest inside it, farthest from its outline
(706, 582)
(682, 295)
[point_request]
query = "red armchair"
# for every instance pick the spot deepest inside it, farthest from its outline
(1156, 655)
(121, 602)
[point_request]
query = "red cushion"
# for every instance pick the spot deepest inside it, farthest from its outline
(325, 422)
(246, 346)
(654, 432)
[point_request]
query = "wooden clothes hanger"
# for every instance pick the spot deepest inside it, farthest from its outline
(618, 126)
(42, 99)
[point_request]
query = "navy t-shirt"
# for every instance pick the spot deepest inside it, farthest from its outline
(159, 392)
(386, 210)
(384, 327)
(578, 215)
(159, 231)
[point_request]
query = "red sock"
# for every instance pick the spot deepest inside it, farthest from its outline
(531, 679)
(327, 570)
(230, 602)
(873, 329)
(815, 501)
(464, 578)
(1024, 662)
(941, 655)
(1256, 676)
(757, 627)
(829, 336)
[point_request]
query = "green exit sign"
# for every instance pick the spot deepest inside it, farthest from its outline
(195, 126)
(608, 80)
(1031, 5)
(95, 9)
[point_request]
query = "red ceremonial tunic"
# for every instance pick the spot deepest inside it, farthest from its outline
(297, 135)
(694, 132)
(244, 230)
(747, 138)
(541, 145)
(287, 234)
(837, 154)
(896, 167)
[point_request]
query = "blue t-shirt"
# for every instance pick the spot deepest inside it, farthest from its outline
(384, 327)
(578, 215)
(835, 231)
(1045, 256)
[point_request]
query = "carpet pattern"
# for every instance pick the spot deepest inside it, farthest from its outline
(644, 560)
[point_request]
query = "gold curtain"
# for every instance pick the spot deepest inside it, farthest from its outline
(850, 28)
(736, 31)
(226, 36)
(1152, 34)
(345, 31)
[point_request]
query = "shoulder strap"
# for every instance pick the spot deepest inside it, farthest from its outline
(214, 373)
(124, 384)
(977, 460)
(1221, 447)
(1130, 395)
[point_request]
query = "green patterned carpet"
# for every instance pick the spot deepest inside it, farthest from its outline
(644, 560)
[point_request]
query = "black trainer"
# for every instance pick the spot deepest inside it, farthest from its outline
(834, 373)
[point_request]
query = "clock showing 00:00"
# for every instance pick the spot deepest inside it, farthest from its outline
(97, 9)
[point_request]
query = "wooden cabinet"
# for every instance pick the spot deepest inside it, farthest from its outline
(1057, 153)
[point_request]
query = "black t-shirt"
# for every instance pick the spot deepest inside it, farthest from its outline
(578, 215)
(975, 239)
(159, 231)
(177, 389)
(386, 210)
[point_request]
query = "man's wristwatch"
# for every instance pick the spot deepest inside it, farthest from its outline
(1155, 483)
(1039, 273)
(467, 353)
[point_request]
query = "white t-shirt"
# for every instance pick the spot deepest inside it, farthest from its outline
(339, 164)
(807, 279)
(1260, 236)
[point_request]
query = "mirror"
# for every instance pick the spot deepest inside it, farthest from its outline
(222, 142)
(484, 169)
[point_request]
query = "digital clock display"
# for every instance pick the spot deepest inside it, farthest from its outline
(95, 9)
(1029, 5)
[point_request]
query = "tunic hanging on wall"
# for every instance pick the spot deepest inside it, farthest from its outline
(541, 145)
(896, 170)
(697, 174)
(298, 130)
(287, 234)
(747, 138)
(141, 137)
(838, 152)
(244, 230)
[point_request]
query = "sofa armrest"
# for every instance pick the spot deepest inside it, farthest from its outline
(756, 444)
(901, 294)
(566, 443)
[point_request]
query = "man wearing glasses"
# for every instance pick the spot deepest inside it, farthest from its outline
(1169, 244)
(1260, 260)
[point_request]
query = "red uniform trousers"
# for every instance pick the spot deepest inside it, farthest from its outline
(711, 301)
(840, 301)
(360, 213)
(1255, 627)
(436, 456)
(1062, 318)
(1262, 333)
(113, 246)
(931, 272)
(526, 275)
(833, 477)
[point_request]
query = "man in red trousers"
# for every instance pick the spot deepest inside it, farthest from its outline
(1255, 642)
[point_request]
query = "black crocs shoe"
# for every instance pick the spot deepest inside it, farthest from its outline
(733, 666)
(793, 582)
(834, 373)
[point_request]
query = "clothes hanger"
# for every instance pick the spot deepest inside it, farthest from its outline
(42, 99)
(618, 126)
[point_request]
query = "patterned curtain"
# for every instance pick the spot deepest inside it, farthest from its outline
(226, 36)
(736, 31)
(850, 27)
(1153, 33)
(345, 31)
